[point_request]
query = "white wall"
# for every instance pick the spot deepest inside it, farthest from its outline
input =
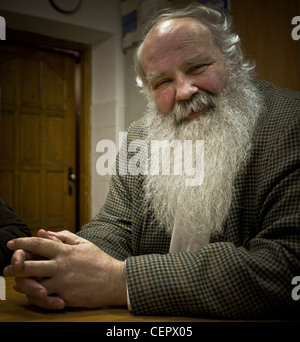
(135, 101)
(97, 22)
(107, 111)
(97, 15)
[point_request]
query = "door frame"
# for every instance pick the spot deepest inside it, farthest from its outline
(83, 53)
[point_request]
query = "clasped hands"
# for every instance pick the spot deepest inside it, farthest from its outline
(61, 269)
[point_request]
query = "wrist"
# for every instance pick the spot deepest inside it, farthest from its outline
(119, 283)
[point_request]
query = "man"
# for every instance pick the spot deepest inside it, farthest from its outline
(11, 227)
(227, 247)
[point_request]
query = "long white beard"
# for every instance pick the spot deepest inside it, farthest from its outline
(226, 131)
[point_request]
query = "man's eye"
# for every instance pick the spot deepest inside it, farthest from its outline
(161, 83)
(198, 68)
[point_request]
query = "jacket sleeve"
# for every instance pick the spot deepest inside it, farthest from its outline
(223, 280)
(11, 227)
(110, 230)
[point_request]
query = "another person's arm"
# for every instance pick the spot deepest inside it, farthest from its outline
(11, 227)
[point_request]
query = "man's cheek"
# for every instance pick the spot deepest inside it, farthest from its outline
(213, 83)
(165, 101)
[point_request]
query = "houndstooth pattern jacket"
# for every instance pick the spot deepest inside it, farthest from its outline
(247, 271)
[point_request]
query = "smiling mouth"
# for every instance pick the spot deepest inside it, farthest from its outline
(198, 113)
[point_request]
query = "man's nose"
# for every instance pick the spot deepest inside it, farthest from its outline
(185, 89)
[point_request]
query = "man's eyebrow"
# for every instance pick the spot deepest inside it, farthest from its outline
(153, 77)
(198, 58)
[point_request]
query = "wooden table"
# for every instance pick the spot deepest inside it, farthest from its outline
(16, 309)
(116, 322)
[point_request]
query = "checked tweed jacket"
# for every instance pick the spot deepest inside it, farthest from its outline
(247, 271)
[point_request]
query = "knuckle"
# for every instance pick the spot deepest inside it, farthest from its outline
(36, 245)
(36, 242)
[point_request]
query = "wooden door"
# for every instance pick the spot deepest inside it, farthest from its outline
(37, 135)
(265, 28)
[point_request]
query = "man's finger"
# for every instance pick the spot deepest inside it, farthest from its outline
(18, 259)
(32, 268)
(43, 247)
(20, 256)
(67, 237)
(31, 287)
(44, 234)
(49, 303)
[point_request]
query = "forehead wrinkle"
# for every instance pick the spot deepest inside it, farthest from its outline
(187, 30)
(173, 25)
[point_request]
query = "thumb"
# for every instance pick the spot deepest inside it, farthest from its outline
(67, 237)
(44, 234)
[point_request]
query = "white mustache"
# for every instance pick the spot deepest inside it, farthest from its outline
(197, 103)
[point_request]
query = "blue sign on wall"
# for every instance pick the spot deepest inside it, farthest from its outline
(218, 4)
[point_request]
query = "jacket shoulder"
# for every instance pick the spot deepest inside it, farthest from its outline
(281, 108)
(137, 130)
(278, 98)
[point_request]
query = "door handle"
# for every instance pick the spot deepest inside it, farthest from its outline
(71, 178)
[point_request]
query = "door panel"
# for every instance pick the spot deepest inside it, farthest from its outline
(265, 29)
(37, 135)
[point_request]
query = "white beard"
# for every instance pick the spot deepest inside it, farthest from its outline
(199, 211)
